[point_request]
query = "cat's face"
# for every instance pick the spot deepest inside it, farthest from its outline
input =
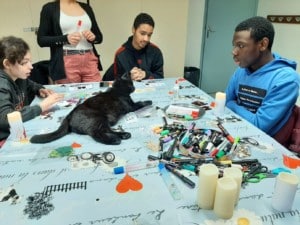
(124, 84)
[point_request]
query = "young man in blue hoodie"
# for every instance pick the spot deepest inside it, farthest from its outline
(265, 86)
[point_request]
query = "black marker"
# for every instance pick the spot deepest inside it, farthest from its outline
(169, 154)
(186, 180)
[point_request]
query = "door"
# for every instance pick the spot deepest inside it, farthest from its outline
(221, 19)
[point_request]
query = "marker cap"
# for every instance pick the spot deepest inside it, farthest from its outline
(119, 170)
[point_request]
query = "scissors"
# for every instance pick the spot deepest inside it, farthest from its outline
(256, 173)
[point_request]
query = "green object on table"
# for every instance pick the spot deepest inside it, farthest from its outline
(257, 178)
(61, 152)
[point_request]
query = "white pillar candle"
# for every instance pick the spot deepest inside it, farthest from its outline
(17, 131)
(208, 176)
(225, 197)
(237, 175)
(285, 191)
(220, 100)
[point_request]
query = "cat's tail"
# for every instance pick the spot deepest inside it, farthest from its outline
(45, 138)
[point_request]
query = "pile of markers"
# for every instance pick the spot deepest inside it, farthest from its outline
(196, 143)
(182, 147)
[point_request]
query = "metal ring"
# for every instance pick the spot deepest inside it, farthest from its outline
(108, 157)
(73, 158)
(86, 156)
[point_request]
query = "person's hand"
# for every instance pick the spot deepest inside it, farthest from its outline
(74, 38)
(45, 92)
(137, 74)
(88, 35)
(50, 100)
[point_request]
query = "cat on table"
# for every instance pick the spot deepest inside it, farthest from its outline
(96, 115)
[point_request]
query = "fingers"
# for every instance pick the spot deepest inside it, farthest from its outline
(57, 97)
(137, 74)
(87, 34)
(45, 92)
(74, 38)
(49, 101)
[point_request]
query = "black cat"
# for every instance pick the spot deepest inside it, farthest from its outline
(97, 114)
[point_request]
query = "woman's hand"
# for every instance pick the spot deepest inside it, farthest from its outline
(88, 35)
(74, 38)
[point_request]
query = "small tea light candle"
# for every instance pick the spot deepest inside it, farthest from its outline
(208, 176)
(237, 175)
(225, 198)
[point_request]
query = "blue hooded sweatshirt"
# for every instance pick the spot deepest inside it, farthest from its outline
(265, 97)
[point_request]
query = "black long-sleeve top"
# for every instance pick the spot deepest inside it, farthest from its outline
(149, 59)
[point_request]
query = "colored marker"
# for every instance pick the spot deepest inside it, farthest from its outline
(225, 132)
(79, 23)
(169, 154)
(185, 138)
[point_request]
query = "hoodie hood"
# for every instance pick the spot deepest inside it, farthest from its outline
(278, 62)
(128, 45)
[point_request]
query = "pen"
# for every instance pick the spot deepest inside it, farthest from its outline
(161, 149)
(134, 167)
(169, 154)
(183, 178)
(225, 132)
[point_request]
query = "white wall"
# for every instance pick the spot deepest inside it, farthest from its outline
(194, 33)
(115, 18)
(286, 41)
(170, 16)
(178, 31)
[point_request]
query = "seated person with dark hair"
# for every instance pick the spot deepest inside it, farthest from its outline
(138, 55)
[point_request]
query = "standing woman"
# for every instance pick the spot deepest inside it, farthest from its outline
(70, 29)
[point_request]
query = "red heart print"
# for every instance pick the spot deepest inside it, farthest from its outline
(128, 183)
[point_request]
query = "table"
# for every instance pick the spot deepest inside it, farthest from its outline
(45, 190)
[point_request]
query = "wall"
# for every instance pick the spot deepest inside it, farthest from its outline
(286, 38)
(194, 32)
(178, 29)
(115, 18)
(169, 34)
(286, 41)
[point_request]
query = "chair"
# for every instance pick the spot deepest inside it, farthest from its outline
(109, 74)
(40, 72)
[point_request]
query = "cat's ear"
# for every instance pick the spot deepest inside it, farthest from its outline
(126, 76)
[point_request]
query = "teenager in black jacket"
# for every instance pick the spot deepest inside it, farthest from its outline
(138, 55)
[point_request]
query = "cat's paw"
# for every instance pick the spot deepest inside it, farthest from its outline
(124, 135)
(116, 140)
